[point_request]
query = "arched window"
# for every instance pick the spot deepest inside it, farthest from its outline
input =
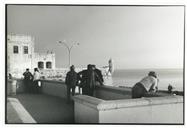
(48, 64)
(40, 65)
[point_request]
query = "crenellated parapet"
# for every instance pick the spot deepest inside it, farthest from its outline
(20, 38)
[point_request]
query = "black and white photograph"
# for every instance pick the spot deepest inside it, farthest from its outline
(94, 64)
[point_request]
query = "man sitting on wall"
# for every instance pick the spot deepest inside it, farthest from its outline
(148, 84)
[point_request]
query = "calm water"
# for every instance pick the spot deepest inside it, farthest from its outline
(166, 76)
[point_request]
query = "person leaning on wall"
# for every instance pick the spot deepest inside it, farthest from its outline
(148, 86)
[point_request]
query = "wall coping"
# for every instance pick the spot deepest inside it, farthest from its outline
(120, 90)
(103, 105)
(114, 89)
(53, 81)
(116, 104)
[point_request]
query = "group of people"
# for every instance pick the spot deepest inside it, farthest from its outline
(86, 79)
(89, 78)
(32, 81)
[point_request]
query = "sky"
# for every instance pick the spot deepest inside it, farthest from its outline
(135, 37)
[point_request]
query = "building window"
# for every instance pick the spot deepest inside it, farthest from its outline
(48, 65)
(25, 49)
(15, 49)
(41, 65)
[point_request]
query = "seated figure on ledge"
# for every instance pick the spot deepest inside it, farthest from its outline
(147, 87)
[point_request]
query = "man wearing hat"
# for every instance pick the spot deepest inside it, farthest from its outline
(147, 84)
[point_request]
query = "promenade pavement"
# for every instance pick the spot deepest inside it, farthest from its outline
(43, 109)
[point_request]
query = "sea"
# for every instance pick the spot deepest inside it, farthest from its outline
(129, 77)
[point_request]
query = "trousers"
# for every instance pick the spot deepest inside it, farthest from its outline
(138, 91)
(69, 92)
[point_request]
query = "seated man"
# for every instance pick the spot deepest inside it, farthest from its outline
(148, 85)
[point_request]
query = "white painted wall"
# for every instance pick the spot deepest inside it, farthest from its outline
(17, 63)
(163, 113)
(85, 114)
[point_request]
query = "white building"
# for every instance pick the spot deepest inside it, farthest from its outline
(21, 55)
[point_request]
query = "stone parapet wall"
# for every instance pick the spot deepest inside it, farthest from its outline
(112, 93)
(85, 109)
(117, 104)
(165, 110)
(14, 86)
(54, 88)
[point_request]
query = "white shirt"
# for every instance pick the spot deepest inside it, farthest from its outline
(36, 76)
(149, 82)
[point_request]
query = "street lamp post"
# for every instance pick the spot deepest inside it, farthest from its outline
(69, 49)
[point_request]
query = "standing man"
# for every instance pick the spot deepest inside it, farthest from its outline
(36, 81)
(71, 81)
(146, 85)
(84, 78)
(88, 79)
(99, 79)
(91, 81)
(91, 78)
(27, 80)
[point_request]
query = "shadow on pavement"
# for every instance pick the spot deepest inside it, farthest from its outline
(47, 109)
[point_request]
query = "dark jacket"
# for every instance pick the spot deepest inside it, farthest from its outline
(27, 75)
(71, 79)
(82, 76)
(100, 76)
(88, 78)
